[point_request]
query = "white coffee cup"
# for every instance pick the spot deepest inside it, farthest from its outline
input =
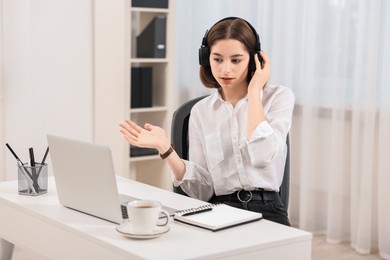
(144, 215)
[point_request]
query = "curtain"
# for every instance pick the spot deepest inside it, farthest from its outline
(334, 55)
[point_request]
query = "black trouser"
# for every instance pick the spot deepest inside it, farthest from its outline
(267, 203)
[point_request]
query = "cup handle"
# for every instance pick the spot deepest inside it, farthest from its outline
(166, 218)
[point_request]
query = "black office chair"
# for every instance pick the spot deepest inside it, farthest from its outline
(179, 138)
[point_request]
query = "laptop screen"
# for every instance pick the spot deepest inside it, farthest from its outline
(85, 178)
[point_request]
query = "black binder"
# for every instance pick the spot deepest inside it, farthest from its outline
(150, 3)
(140, 151)
(141, 86)
(151, 43)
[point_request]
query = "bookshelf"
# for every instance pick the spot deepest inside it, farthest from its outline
(117, 26)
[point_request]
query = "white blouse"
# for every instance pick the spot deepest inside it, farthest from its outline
(222, 160)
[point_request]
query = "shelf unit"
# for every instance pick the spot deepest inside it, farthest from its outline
(129, 22)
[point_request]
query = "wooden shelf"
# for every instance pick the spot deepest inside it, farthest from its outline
(149, 60)
(150, 10)
(116, 26)
(144, 158)
(148, 110)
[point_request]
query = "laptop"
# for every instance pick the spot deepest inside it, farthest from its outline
(85, 179)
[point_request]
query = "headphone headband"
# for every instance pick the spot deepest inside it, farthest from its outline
(204, 50)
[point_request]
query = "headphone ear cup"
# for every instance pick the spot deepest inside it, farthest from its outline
(204, 55)
(252, 64)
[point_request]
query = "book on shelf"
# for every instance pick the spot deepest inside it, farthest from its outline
(216, 217)
(139, 151)
(141, 87)
(150, 3)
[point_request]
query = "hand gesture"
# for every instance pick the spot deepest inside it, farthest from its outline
(149, 137)
(261, 75)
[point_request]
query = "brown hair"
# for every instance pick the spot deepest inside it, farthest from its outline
(235, 28)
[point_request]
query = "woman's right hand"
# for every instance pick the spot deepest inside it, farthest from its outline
(149, 137)
(262, 74)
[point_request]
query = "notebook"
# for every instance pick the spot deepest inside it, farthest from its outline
(216, 216)
(85, 179)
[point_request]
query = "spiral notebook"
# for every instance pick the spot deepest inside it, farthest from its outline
(216, 217)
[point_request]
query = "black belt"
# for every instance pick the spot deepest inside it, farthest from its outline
(246, 196)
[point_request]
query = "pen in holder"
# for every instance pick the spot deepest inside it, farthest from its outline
(32, 180)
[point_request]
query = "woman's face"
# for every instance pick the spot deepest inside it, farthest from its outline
(229, 63)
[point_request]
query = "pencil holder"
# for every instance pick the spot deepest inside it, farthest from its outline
(32, 180)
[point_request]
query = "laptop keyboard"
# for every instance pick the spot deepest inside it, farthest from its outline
(124, 211)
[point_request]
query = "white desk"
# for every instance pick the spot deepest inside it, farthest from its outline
(41, 224)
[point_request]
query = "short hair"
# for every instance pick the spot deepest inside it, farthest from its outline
(235, 28)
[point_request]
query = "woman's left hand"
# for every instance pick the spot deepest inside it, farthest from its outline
(261, 75)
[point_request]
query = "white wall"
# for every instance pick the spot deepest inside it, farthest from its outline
(1, 95)
(48, 74)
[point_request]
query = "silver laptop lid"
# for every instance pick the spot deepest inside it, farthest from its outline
(85, 178)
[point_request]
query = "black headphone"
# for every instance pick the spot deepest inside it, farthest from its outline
(204, 50)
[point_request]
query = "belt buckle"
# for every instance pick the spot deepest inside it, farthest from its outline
(245, 200)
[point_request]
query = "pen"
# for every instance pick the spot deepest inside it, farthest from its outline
(44, 157)
(43, 161)
(21, 163)
(33, 170)
(196, 211)
(18, 160)
(14, 154)
(32, 159)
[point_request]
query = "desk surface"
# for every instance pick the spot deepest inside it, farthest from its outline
(43, 225)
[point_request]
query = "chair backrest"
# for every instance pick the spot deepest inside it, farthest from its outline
(179, 138)
(284, 189)
(179, 132)
(179, 127)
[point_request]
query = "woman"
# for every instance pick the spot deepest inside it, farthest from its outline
(237, 135)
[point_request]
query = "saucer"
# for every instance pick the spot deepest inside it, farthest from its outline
(127, 230)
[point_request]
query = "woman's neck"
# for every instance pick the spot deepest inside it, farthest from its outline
(233, 95)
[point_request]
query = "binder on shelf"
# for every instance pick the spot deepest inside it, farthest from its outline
(221, 216)
(150, 3)
(141, 87)
(139, 151)
(152, 40)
